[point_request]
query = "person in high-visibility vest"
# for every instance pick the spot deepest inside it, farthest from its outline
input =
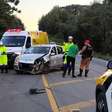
(65, 49)
(70, 58)
(3, 58)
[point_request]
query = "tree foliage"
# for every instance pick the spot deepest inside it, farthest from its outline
(58, 23)
(7, 19)
(82, 22)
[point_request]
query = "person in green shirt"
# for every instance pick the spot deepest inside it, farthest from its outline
(71, 54)
(65, 49)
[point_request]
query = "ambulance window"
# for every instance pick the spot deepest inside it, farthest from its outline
(28, 42)
(13, 41)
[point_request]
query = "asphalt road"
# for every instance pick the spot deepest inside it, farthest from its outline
(69, 93)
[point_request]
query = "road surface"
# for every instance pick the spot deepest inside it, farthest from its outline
(68, 93)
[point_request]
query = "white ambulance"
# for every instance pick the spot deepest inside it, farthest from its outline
(17, 41)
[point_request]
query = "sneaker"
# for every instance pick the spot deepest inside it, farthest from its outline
(79, 75)
(73, 76)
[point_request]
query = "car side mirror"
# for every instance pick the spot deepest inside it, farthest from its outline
(109, 65)
(52, 54)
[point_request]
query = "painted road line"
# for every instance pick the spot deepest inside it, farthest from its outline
(51, 98)
(80, 105)
(70, 82)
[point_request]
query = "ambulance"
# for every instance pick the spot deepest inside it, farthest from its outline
(104, 90)
(17, 41)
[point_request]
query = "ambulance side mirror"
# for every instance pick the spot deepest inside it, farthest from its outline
(109, 65)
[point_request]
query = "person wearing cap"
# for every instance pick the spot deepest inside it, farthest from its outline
(71, 54)
(87, 54)
(3, 58)
(65, 49)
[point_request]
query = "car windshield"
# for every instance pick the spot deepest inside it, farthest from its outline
(13, 41)
(38, 50)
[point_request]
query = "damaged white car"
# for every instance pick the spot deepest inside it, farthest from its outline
(39, 58)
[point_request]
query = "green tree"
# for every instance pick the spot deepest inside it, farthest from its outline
(58, 22)
(7, 19)
(82, 22)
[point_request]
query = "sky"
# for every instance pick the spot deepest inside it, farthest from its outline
(33, 10)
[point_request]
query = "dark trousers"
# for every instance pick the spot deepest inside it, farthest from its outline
(70, 66)
(4, 68)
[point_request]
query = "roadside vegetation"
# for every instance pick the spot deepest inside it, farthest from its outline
(7, 17)
(82, 21)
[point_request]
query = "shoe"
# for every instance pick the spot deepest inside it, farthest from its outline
(73, 76)
(80, 74)
(86, 72)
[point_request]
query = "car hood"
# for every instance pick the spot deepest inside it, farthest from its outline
(30, 58)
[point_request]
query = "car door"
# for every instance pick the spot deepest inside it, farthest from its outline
(53, 56)
(59, 56)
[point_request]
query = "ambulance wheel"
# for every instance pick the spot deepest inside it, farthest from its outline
(101, 105)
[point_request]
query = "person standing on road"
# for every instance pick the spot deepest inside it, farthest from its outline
(87, 54)
(3, 58)
(67, 44)
(71, 54)
(65, 49)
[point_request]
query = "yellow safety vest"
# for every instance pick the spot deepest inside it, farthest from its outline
(65, 49)
(3, 55)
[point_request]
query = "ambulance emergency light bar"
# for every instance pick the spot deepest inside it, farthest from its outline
(14, 30)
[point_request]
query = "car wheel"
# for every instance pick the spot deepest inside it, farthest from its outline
(38, 67)
(101, 105)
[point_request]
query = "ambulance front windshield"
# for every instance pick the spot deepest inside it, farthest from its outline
(13, 41)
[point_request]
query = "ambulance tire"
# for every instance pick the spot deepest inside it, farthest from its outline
(101, 105)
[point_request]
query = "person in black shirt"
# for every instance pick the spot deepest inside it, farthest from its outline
(87, 54)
